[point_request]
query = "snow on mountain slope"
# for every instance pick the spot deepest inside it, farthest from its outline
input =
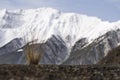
(43, 23)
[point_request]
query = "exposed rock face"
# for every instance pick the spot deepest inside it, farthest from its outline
(56, 51)
(11, 47)
(95, 51)
(9, 54)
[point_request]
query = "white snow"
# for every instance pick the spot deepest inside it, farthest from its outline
(45, 22)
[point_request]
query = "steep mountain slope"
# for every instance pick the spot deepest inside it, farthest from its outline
(61, 33)
(113, 57)
(95, 51)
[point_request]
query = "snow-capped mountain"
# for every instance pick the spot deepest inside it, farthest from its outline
(64, 35)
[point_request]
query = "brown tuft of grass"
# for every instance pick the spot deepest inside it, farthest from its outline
(33, 55)
(32, 50)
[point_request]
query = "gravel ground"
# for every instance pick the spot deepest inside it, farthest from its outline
(62, 72)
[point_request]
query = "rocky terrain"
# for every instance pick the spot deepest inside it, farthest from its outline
(94, 52)
(112, 58)
(62, 72)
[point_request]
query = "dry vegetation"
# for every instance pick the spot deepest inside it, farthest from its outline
(32, 54)
(32, 50)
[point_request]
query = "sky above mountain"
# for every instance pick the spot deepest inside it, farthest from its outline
(105, 9)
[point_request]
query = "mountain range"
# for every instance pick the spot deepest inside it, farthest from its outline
(67, 38)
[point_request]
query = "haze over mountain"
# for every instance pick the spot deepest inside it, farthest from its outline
(67, 38)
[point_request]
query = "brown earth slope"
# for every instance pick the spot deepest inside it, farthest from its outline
(113, 57)
(55, 72)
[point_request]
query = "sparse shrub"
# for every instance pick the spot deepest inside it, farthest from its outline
(33, 51)
(33, 55)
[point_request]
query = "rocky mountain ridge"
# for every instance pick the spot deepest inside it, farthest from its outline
(68, 38)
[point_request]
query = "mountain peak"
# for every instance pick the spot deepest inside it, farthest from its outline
(63, 34)
(45, 22)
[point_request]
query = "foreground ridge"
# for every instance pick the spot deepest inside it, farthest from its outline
(62, 72)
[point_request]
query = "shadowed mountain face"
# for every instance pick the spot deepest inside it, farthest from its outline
(113, 57)
(94, 52)
(56, 51)
(9, 54)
